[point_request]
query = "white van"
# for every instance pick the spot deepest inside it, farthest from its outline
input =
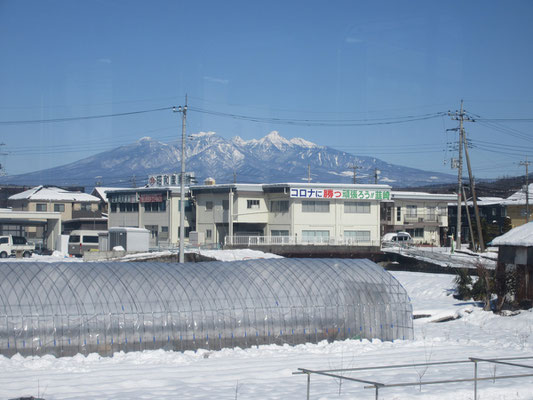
(80, 241)
(394, 238)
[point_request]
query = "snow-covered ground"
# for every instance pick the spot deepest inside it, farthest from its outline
(220, 255)
(266, 372)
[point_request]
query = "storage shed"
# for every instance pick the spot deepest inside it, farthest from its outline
(69, 308)
(515, 253)
(131, 239)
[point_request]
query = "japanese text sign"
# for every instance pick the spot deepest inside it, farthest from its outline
(312, 193)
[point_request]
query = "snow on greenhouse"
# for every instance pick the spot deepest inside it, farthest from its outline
(69, 308)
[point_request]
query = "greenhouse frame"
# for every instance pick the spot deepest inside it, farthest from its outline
(105, 307)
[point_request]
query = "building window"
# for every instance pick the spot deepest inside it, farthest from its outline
(398, 214)
(126, 207)
(59, 208)
(252, 204)
(356, 207)
(208, 205)
(279, 206)
(208, 233)
(86, 207)
(225, 204)
(315, 206)
(416, 233)
(40, 207)
(411, 211)
(357, 236)
(279, 233)
(315, 236)
(155, 207)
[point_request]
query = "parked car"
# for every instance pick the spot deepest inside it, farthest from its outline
(11, 245)
(80, 241)
(393, 238)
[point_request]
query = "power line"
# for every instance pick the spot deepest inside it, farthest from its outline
(87, 104)
(321, 122)
(315, 112)
(506, 119)
(80, 118)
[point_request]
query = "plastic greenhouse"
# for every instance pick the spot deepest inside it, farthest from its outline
(70, 308)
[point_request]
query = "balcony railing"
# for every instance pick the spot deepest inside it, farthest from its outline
(293, 240)
(423, 218)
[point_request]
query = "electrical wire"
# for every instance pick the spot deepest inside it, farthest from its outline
(81, 118)
(321, 122)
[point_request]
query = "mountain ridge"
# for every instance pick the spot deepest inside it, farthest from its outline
(272, 158)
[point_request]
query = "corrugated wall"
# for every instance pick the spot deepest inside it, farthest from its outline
(69, 308)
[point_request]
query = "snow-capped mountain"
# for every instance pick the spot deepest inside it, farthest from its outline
(272, 158)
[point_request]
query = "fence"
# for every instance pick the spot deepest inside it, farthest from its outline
(294, 240)
(337, 373)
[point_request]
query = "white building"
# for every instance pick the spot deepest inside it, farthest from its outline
(290, 213)
(154, 208)
(423, 215)
(71, 205)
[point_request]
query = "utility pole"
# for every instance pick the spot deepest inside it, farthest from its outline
(469, 221)
(376, 175)
(459, 116)
(474, 199)
(355, 168)
(183, 111)
(308, 173)
(526, 164)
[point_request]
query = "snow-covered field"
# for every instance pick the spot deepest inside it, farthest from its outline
(221, 255)
(266, 372)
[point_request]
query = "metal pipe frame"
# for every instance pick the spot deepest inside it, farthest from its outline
(377, 385)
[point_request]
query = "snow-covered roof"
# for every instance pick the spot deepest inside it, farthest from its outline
(519, 198)
(172, 189)
(240, 187)
(481, 201)
(519, 236)
(488, 201)
(423, 196)
(328, 185)
(100, 191)
(53, 194)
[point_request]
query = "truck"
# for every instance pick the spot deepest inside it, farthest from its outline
(10, 246)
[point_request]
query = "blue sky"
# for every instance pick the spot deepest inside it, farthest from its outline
(296, 60)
